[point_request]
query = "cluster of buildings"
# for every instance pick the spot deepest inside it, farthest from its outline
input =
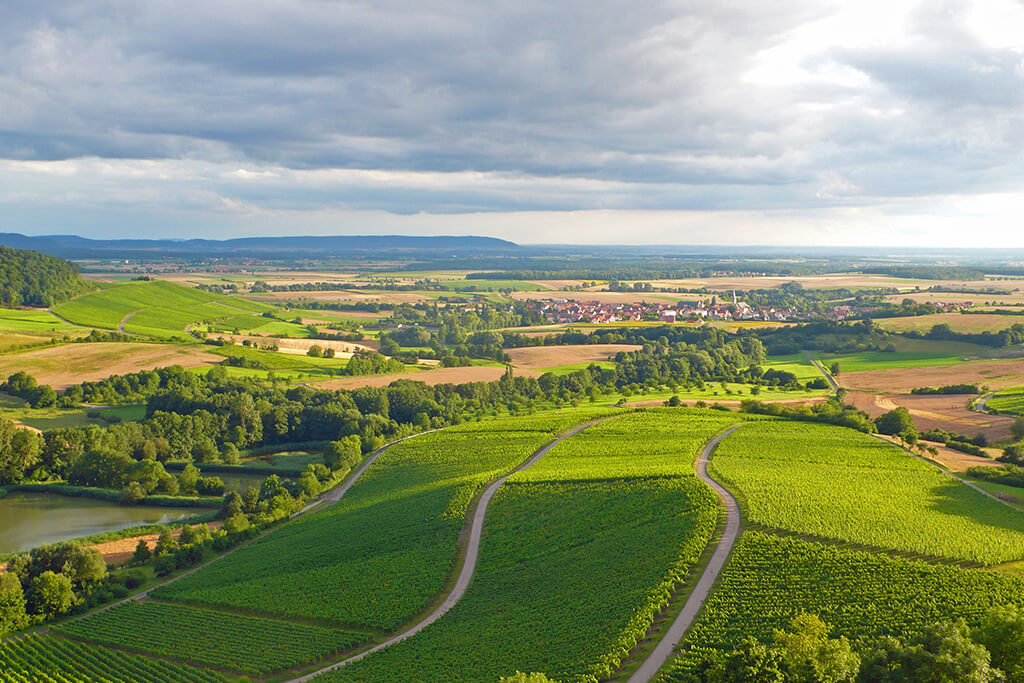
(569, 311)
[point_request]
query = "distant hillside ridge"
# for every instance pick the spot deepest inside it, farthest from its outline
(72, 246)
(30, 278)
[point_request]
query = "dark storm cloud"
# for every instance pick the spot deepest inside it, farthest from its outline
(657, 98)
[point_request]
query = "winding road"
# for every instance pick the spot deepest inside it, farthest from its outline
(468, 565)
(663, 650)
(828, 375)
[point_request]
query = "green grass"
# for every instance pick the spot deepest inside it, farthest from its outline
(381, 554)
(51, 658)
(881, 360)
(464, 285)
(840, 484)
(57, 418)
(218, 639)
(295, 461)
(1008, 401)
(769, 580)
(573, 367)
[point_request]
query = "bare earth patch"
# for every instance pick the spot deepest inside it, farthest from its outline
(539, 357)
(345, 297)
(996, 374)
(68, 364)
(299, 347)
(949, 413)
(431, 377)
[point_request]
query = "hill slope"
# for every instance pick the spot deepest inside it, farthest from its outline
(29, 278)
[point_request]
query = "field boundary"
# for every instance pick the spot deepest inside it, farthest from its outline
(661, 653)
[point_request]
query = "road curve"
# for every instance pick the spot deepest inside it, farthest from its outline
(663, 650)
(468, 565)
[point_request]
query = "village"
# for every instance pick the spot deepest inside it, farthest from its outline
(571, 311)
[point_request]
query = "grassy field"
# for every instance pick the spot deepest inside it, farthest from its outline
(395, 533)
(840, 484)
(57, 418)
(769, 580)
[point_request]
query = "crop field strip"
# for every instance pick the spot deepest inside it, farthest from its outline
(839, 484)
(52, 659)
(580, 516)
(326, 566)
(770, 579)
(218, 639)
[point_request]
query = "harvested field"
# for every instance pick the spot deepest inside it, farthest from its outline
(557, 284)
(539, 357)
(343, 297)
(958, 322)
(299, 347)
(1016, 297)
(476, 373)
(949, 413)
(62, 366)
(604, 297)
(116, 552)
(997, 374)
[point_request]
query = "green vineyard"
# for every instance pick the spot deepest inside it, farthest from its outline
(51, 659)
(217, 639)
(839, 484)
(770, 579)
(330, 567)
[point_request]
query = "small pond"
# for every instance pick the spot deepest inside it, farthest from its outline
(30, 519)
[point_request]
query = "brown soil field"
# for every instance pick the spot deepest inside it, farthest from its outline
(477, 373)
(958, 322)
(539, 357)
(949, 413)
(602, 297)
(62, 366)
(996, 374)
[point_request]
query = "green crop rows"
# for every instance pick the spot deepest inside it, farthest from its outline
(218, 639)
(59, 660)
(566, 569)
(160, 308)
(572, 573)
(654, 443)
(770, 579)
(1008, 401)
(381, 554)
(840, 484)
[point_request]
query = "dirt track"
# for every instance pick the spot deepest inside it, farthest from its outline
(468, 565)
(663, 650)
(947, 412)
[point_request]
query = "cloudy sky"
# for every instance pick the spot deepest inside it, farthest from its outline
(606, 121)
